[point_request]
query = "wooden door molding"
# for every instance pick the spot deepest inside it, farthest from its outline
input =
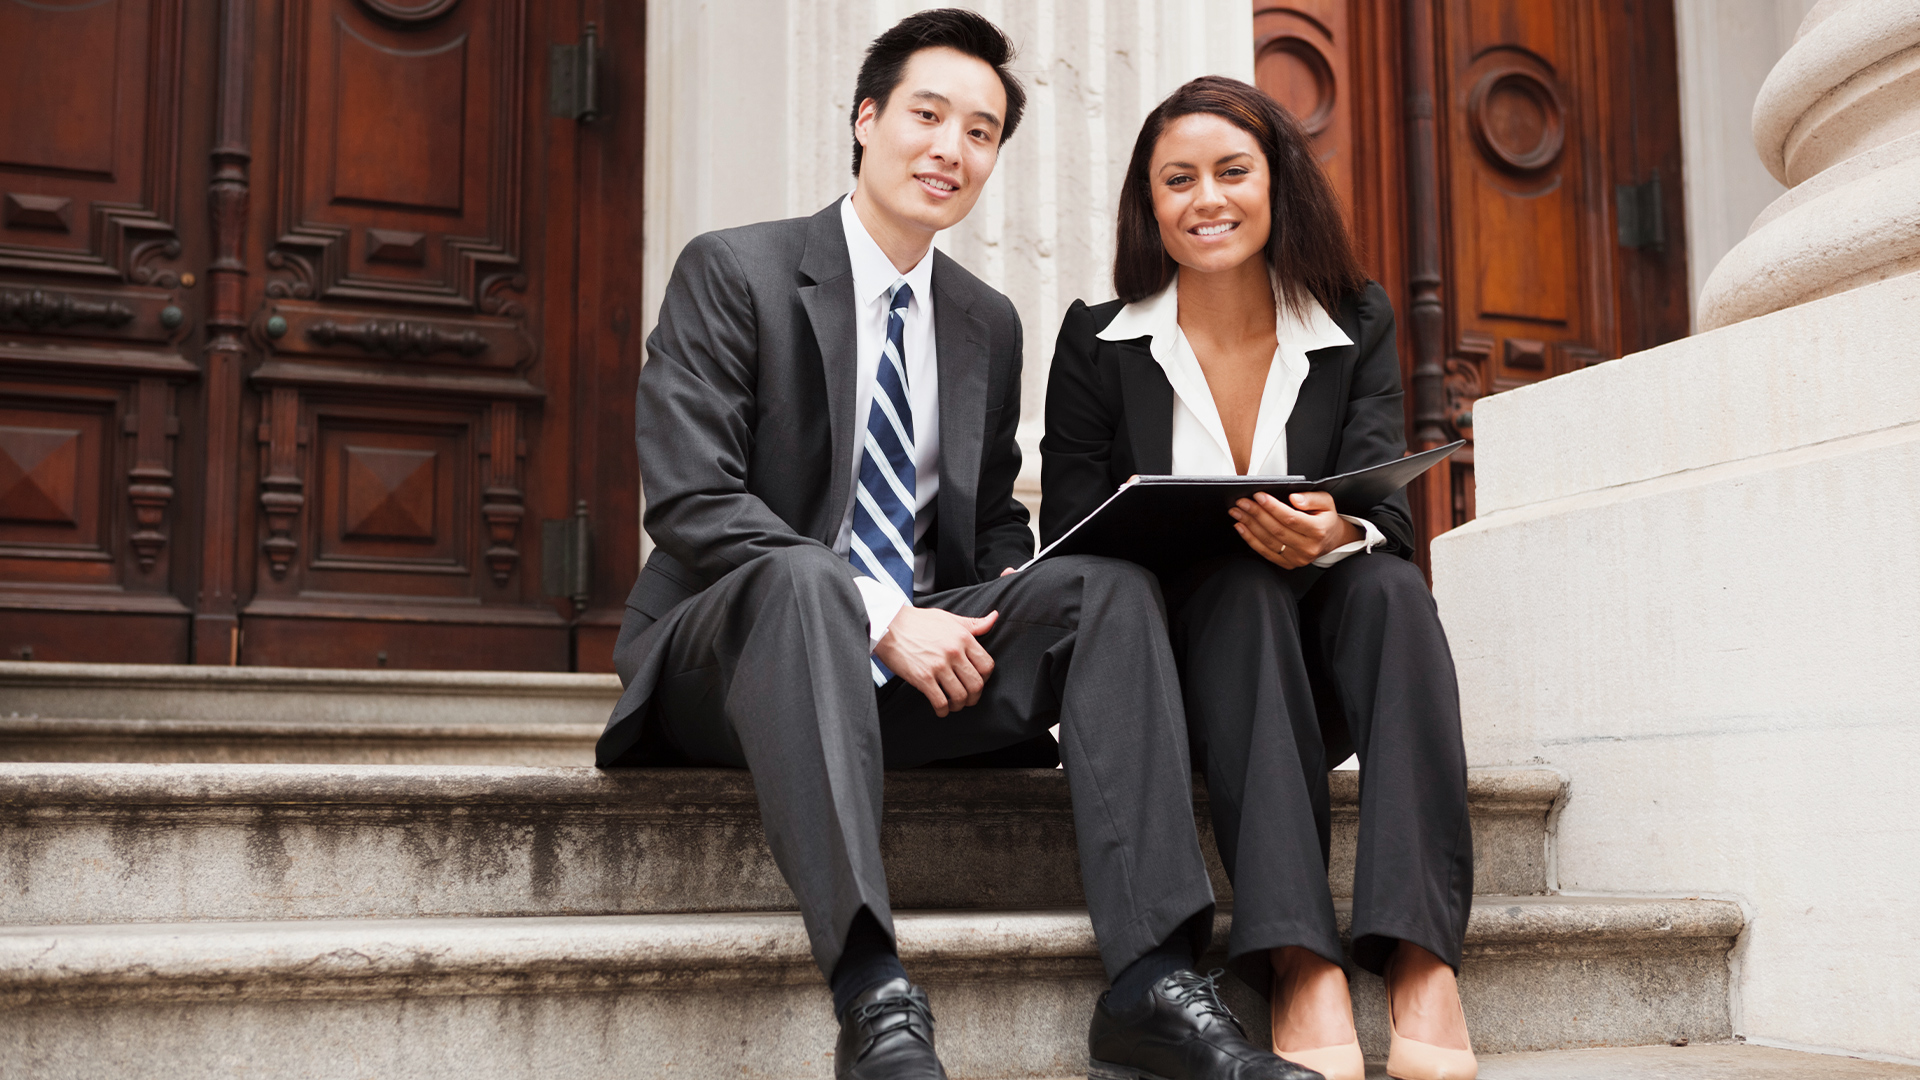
(608, 320)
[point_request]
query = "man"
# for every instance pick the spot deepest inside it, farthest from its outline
(826, 432)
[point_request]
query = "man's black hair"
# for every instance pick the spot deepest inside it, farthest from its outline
(952, 28)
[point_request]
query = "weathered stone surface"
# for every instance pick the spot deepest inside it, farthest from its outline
(161, 843)
(183, 713)
(32, 738)
(718, 995)
(1720, 1061)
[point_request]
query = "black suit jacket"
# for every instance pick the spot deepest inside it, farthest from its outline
(745, 431)
(1110, 414)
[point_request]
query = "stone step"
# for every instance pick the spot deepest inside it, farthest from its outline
(1694, 1061)
(180, 713)
(112, 843)
(720, 995)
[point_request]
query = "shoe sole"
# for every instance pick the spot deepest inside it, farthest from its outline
(1100, 1070)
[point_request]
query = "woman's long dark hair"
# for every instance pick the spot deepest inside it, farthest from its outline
(1309, 247)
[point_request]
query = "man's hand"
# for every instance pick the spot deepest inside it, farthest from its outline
(1292, 536)
(936, 652)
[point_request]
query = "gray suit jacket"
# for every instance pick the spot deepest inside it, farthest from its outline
(745, 426)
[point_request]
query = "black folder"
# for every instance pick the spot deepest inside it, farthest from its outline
(1167, 522)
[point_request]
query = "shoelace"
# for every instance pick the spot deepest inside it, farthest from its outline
(1204, 991)
(873, 1010)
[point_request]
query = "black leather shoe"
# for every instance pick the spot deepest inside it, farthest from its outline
(887, 1034)
(1187, 1034)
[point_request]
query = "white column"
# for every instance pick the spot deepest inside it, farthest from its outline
(1726, 49)
(1838, 122)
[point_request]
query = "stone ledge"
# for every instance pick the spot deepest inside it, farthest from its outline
(297, 742)
(95, 965)
(254, 695)
(103, 787)
(160, 843)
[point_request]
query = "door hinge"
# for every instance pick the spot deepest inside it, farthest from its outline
(566, 558)
(1642, 221)
(573, 77)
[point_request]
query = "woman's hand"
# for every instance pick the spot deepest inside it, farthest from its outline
(1292, 536)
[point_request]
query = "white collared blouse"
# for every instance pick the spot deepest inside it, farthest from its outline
(1199, 438)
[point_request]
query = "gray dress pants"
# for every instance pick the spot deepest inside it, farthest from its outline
(769, 671)
(1279, 688)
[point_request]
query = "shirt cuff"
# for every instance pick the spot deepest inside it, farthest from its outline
(1364, 544)
(883, 600)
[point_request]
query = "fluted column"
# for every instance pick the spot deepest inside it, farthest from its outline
(1838, 122)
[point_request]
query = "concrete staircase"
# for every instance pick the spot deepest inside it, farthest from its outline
(217, 912)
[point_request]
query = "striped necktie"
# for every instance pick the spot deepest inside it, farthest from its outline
(882, 542)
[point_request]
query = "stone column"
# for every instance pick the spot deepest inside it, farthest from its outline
(1838, 122)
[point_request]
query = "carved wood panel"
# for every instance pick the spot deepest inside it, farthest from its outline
(89, 138)
(54, 485)
(1304, 52)
(86, 482)
(393, 497)
(1526, 278)
(401, 159)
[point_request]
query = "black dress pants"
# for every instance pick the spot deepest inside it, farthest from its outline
(1280, 688)
(769, 670)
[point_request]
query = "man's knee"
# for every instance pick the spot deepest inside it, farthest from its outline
(1117, 578)
(802, 568)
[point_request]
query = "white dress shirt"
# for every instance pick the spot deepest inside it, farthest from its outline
(874, 277)
(1199, 439)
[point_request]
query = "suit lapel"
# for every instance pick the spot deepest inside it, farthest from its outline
(1316, 412)
(829, 306)
(1146, 399)
(961, 341)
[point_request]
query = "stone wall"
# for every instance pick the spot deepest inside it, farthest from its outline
(1707, 608)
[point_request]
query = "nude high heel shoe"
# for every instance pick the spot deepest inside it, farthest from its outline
(1408, 1059)
(1342, 1062)
(1333, 1062)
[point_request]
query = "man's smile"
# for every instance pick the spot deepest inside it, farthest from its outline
(937, 186)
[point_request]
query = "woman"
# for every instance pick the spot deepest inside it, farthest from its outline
(1247, 340)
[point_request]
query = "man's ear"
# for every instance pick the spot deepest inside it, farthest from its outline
(863, 123)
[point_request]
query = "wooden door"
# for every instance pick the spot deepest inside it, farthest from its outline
(99, 231)
(414, 343)
(1512, 168)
